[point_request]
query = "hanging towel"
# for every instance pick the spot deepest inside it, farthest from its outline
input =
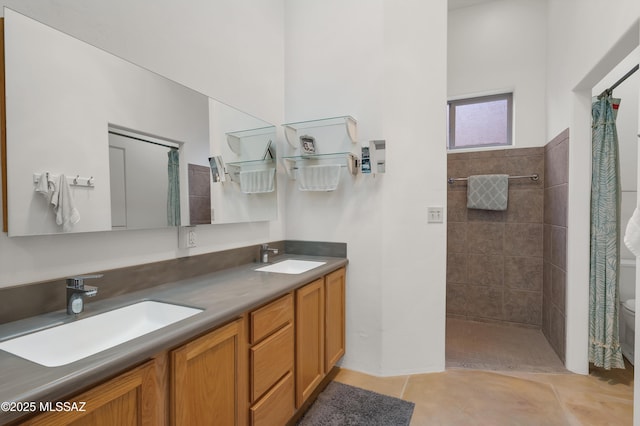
(488, 192)
(63, 205)
(632, 234)
(46, 186)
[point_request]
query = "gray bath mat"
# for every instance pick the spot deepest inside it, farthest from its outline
(341, 404)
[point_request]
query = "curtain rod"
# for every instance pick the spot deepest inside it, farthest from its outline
(617, 83)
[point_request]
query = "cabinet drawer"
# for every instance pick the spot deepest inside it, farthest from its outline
(270, 360)
(268, 319)
(277, 406)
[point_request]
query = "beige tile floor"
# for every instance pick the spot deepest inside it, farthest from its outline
(460, 396)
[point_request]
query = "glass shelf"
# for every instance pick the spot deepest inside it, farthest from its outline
(234, 138)
(252, 163)
(253, 132)
(350, 123)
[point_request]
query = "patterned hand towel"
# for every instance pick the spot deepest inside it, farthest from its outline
(488, 192)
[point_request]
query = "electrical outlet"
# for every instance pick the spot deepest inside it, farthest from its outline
(186, 237)
(435, 214)
(191, 238)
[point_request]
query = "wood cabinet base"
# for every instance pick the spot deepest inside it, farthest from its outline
(128, 399)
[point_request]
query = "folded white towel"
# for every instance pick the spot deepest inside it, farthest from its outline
(632, 233)
(62, 200)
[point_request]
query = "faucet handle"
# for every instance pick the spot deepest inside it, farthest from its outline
(78, 281)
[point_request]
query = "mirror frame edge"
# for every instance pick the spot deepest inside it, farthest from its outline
(3, 132)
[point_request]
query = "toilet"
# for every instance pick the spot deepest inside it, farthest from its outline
(627, 328)
(627, 313)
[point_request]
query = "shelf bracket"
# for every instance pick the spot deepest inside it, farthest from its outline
(291, 134)
(352, 129)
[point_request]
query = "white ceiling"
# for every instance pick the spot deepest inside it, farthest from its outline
(457, 4)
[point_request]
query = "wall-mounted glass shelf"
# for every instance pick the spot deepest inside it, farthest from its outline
(234, 138)
(345, 159)
(252, 164)
(350, 123)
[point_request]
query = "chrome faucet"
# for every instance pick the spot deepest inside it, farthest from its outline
(76, 290)
(264, 253)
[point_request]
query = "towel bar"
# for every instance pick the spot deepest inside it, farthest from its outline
(534, 177)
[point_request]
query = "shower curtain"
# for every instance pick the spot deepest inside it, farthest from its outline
(173, 196)
(604, 342)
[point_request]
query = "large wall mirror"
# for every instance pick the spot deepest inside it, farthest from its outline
(133, 146)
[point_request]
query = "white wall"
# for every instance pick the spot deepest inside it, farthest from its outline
(498, 47)
(585, 41)
(636, 376)
(383, 62)
(233, 51)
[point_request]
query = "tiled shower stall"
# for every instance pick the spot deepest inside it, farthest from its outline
(509, 266)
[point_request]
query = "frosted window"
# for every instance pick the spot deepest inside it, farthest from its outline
(480, 122)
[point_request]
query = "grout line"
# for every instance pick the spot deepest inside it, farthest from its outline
(568, 415)
(404, 387)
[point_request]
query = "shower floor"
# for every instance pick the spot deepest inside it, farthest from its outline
(490, 346)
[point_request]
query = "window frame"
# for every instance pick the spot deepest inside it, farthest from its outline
(451, 118)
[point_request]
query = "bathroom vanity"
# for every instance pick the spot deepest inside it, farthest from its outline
(258, 351)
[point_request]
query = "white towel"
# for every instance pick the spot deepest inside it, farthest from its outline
(632, 234)
(62, 200)
(46, 186)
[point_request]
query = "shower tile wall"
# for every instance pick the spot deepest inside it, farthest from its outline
(494, 259)
(199, 195)
(555, 242)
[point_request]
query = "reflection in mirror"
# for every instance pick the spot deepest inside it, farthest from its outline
(246, 147)
(143, 177)
(62, 94)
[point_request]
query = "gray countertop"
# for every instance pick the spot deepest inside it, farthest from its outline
(224, 295)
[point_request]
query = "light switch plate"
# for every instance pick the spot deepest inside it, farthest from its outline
(435, 214)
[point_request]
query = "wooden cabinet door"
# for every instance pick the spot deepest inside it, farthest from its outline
(207, 377)
(334, 318)
(129, 399)
(309, 339)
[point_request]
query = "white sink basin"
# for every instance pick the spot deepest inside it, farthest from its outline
(72, 341)
(291, 266)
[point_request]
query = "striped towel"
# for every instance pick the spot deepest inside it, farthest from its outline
(488, 192)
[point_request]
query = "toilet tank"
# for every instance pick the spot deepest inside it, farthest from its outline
(627, 279)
